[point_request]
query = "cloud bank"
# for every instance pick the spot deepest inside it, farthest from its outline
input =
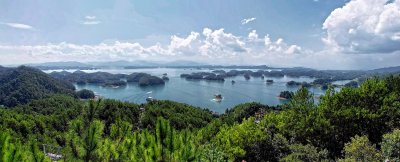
(364, 27)
(214, 46)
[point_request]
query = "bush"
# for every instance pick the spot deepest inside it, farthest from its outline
(391, 145)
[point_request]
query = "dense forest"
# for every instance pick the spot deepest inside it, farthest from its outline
(353, 124)
(21, 85)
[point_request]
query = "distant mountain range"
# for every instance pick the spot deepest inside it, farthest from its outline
(387, 70)
(178, 63)
(121, 63)
(59, 64)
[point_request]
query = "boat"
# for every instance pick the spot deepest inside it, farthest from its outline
(149, 99)
(233, 82)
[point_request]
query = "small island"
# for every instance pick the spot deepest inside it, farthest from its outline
(150, 80)
(294, 83)
(246, 76)
(85, 94)
(204, 76)
(115, 84)
(286, 95)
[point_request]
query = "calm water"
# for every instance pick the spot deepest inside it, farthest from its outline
(200, 93)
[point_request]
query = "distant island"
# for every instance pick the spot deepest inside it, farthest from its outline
(108, 79)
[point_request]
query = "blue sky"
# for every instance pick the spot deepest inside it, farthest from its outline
(92, 30)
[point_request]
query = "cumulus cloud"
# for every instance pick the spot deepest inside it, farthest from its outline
(364, 26)
(216, 46)
(248, 20)
(218, 43)
(18, 26)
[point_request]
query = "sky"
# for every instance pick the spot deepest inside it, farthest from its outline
(322, 34)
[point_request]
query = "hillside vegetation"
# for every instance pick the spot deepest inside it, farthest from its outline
(23, 84)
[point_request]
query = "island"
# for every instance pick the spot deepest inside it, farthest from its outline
(286, 95)
(203, 76)
(107, 79)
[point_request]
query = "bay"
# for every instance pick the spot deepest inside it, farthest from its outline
(200, 93)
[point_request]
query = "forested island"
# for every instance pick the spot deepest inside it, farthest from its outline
(322, 77)
(108, 79)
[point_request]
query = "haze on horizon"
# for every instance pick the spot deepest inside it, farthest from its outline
(322, 34)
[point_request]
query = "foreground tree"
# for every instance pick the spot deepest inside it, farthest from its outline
(361, 149)
(390, 146)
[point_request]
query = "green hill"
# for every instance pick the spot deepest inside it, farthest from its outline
(23, 84)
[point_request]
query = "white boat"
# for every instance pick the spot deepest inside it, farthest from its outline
(148, 99)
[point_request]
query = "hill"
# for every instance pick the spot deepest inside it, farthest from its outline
(395, 69)
(60, 64)
(23, 84)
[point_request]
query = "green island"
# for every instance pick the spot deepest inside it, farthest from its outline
(44, 119)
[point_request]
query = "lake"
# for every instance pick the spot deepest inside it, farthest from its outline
(200, 92)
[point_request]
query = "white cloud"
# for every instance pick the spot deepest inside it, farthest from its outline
(214, 46)
(184, 45)
(91, 22)
(90, 17)
(246, 21)
(364, 26)
(18, 26)
(217, 43)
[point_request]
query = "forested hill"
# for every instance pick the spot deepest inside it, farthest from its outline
(23, 84)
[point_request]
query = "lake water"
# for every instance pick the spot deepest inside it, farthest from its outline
(199, 92)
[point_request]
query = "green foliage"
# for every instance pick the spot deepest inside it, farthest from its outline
(23, 84)
(9, 151)
(391, 145)
(305, 153)
(360, 149)
(12, 150)
(37, 155)
(85, 94)
(243, 111)
(212, 153)
(181, 116)
(236, 138)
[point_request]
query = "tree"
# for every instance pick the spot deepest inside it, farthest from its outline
(37, 154)
(10, 152)
(390, 145)
(83, 142)
(92, 140)
(307, 152)
(361, 149)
